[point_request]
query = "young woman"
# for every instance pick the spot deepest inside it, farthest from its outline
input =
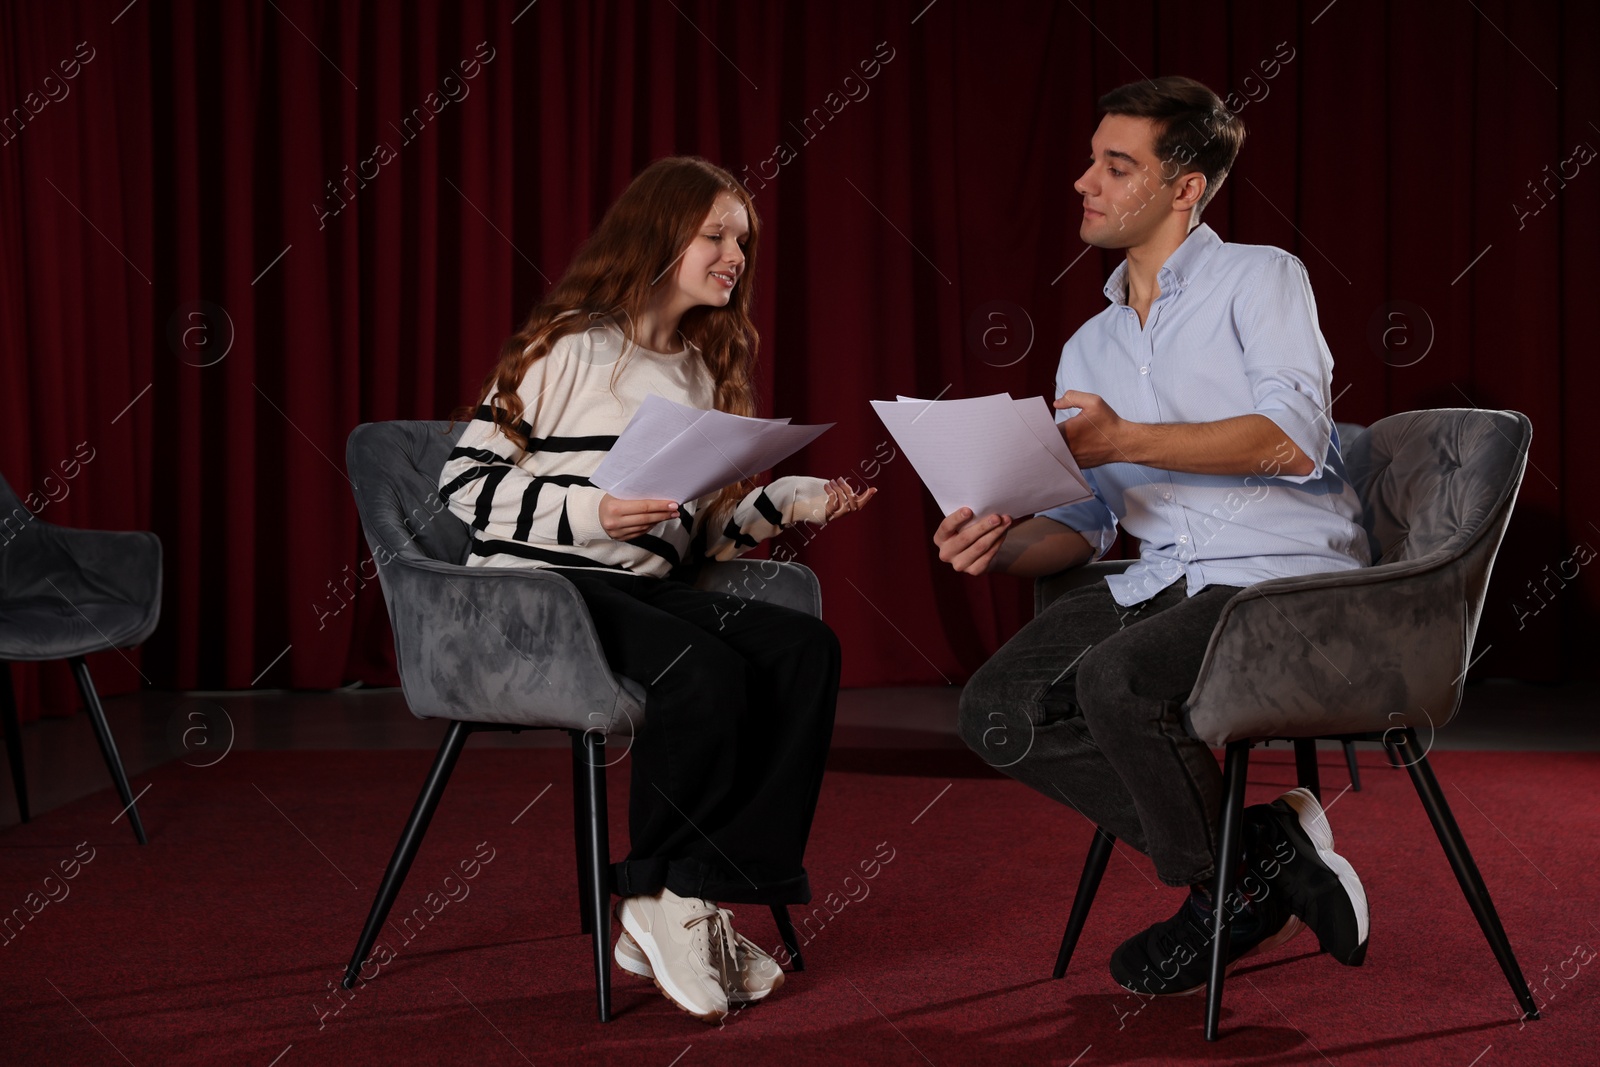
(740, 704)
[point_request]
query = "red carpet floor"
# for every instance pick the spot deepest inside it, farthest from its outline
(219, 941)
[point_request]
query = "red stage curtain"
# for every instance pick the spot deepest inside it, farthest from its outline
(356, 202)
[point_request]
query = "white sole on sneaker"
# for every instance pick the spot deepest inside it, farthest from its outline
(1314, 821)
(631, 958)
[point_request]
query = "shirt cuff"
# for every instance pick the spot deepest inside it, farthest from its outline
(583, 513)
(1100, 540)
(1080, 519)
(807, 497)
(1303, 430)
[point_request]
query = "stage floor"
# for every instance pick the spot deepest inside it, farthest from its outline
(153, 728)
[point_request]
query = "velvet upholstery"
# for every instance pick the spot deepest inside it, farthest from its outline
(502, 645)
(1386, 646)
(65, 592)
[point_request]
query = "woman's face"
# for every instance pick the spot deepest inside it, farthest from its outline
(714, 261)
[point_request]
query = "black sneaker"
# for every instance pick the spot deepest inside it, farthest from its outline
(1292, 848)
(1174, 957)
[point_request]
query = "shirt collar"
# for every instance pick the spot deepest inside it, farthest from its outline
(1177, 272)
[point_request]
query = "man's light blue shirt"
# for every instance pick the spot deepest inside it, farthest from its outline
(1234, 331)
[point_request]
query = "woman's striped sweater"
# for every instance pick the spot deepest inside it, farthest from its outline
(536, 507)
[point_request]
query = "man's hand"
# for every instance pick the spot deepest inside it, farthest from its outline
(967, 544)
(624, 520)
(1242, 445)
(1095, 435)
(842, 499)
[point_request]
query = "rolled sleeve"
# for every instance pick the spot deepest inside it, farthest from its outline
(1091, 519)
(1286, 361)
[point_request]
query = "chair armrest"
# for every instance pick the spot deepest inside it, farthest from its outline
(792, 585)
(88, 567)
(500, 645)
(1047, 589)
(1286, 656)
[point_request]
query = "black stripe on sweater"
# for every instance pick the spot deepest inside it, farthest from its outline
(482, 455)
(486, 414)
(564, 528)
(596, 443)
(491, 484)
(471, 474)
(651, 543)
(768, 509)
(530, 499)
(530, 502)
(490, 547)
(738, 536)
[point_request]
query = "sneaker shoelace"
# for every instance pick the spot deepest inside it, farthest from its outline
(723, 938)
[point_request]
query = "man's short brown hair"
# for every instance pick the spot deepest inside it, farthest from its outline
(1194, 129)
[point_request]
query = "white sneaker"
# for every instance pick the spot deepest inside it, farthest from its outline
(688, 947)
(754, 975)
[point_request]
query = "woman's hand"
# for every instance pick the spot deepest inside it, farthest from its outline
(843, 499)
(624, 520)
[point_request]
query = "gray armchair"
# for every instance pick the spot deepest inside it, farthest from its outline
(1362, 655)
(65, 593)
(496, 648)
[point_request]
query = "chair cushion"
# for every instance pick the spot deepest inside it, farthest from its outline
(41, 628)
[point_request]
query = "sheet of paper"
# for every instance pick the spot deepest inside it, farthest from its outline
(985, 453)
(672, 452)
(654, 426)
(1040, 419)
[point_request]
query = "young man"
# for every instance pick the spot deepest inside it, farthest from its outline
(1202, 396)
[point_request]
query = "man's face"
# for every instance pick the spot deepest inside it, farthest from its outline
(1125, 200)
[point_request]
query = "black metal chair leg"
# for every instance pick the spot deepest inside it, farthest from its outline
(405, 850)
(1228, 850)
(1355, 769)
(13, 729)
(1472, 887)
(597, 851)
(791, 943)
(108, 746)
(1305, 766)
(1094, 868)
(580, 831)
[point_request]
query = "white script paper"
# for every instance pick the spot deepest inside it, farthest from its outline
(672, 452)
(993, 454)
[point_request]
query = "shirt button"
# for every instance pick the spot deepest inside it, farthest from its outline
(1144, 370)
(1167, 495)
(1183, 539)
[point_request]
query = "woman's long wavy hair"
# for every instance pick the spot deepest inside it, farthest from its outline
(619, 271)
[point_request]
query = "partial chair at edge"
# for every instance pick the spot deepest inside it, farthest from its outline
(65, 593)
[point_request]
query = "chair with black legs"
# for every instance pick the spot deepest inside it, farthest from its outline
(494, 648)
(65, 593)
(1361, 655)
